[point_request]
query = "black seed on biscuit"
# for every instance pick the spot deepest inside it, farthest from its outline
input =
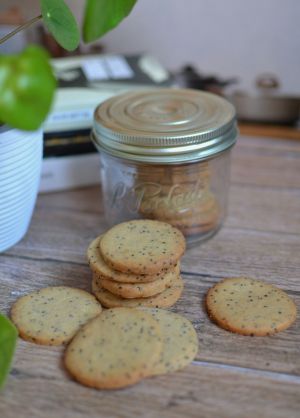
(56, 321)
(164, 299)
(103, 270)
(179, 338)
(126, 356)
(158, 244)
(246, 311)
(140, 290)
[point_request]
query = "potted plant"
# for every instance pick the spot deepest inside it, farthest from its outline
(27, 87)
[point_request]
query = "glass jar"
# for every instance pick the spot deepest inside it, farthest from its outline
(165, 155)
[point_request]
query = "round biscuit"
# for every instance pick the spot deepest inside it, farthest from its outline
(165, 299)
(205, 229)
(179, 341)
(250, 307)
(99, 267)
(195, 218)
(116, 349)
(53, 315)
(139, 290)
(176, 174)
(142, 246)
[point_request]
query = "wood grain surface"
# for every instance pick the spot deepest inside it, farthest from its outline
(273, 131)
(232, 376)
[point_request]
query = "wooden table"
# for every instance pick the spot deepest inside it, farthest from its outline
(273, 131)
(233, 376)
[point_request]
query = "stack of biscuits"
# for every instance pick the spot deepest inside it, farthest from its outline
(181, 195)
(137, 264)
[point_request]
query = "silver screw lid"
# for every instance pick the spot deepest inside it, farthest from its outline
(164, 125)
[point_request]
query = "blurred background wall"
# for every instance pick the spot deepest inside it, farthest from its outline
(223, 37)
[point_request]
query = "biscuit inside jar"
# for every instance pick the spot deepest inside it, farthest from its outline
(180, 195)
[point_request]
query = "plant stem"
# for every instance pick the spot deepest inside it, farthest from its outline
(19, 28)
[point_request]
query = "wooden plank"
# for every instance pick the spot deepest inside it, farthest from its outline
(273, 131)
(262, 217)
(87, 199)
(263, 209)
(253, 141)
(247, 204)
(272, 257)
(233, 376)
(60, 234)
(280, 352)
(266, 163)
(40, 388)
(235, 250)
(277, 353)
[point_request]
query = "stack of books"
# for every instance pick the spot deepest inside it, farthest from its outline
(70, 158)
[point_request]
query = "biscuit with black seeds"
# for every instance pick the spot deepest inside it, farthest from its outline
(250, 307)
(163, 300)
(100, 268)
(186, 206)
(53, 315)
(140, 290)
(116, 349)
(142, 246)
(179, 339)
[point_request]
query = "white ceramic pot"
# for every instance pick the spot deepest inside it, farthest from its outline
(20, 168)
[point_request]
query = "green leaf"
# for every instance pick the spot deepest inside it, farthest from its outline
(8, 338)
(61, 22)
(103, 15)
(27, 86)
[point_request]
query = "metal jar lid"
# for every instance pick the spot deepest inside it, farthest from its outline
(164, 125)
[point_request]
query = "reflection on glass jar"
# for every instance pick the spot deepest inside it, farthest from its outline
(165, 155)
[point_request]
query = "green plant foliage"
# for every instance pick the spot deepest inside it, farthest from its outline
(103, 15)
(27, 83)
(27, 86)
(60, 21)
(8, 338)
